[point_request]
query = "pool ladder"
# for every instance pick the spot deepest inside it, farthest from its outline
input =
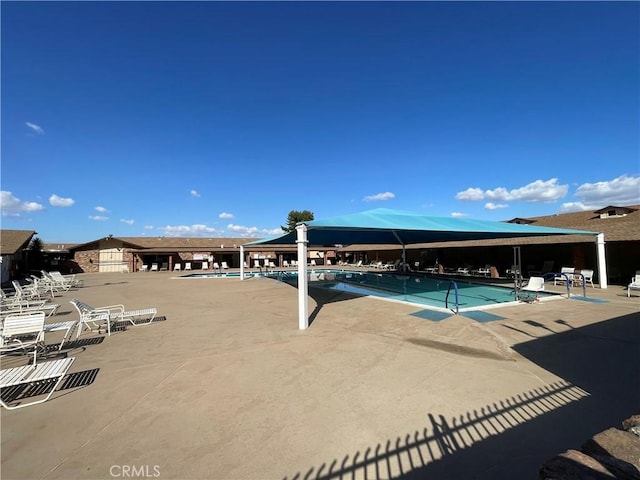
(455, 289)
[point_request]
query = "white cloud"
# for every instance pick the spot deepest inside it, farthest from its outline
(495, 206)
(470, 195)
(127, 221)
(148, 227)
(379, 196)
(624, 190)
(187, 231)
(57, 201)
(35, 128)
(538, 191)
(101, 209)
(458, 214)
(253, 231)
(576, 207)
(225, 215)
(194, 193)
(11, 206)
(98, 218)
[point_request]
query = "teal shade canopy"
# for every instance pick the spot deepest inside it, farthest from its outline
(384, 226)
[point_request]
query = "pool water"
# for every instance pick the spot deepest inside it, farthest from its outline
(427, 291)
(213, 275)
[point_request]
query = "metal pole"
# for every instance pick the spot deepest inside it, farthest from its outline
(303, 285)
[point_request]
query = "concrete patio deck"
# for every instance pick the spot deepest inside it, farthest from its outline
(229, 388)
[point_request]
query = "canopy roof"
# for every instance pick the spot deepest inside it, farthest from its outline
(383, 226)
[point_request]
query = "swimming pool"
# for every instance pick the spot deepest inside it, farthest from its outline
(427, 291)
(215, 275)
(434, 292)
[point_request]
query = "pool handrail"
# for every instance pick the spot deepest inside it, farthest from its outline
(568, 280)
(446, 300)
(584, 283)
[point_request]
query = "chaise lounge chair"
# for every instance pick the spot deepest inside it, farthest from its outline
(586, 274)
(635, 283)
(565, 273)
(96, 318)
(23, 332)
(34, 374)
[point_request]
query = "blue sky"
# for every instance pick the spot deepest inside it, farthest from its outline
(219, 118)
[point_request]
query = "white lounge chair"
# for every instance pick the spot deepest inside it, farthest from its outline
(66, 327)
(534, 285)
(484, 271)
(177, 267)
(224, 266)
(29, 293)
(23, 332)
(565, 272)
(205, 265)
(216, 266)
(635, 283)
(92, 318)
(154, 267)
(586, 274)
(25, 315)
(68, 279)
(34, 374)
(15, 304)
(145, 268)
(285, 263)
(48, 282)
(187, 266)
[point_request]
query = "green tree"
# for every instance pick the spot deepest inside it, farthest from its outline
(35, 258)
(296, 217)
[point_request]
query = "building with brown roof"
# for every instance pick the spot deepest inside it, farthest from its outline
(13, 245)
(130, 254)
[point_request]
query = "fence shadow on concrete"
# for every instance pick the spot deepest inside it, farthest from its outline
(513, 437)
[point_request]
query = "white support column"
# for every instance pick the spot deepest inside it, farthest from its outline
(404, 258)
(602, 261)
(241, 262)
(303, 285)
